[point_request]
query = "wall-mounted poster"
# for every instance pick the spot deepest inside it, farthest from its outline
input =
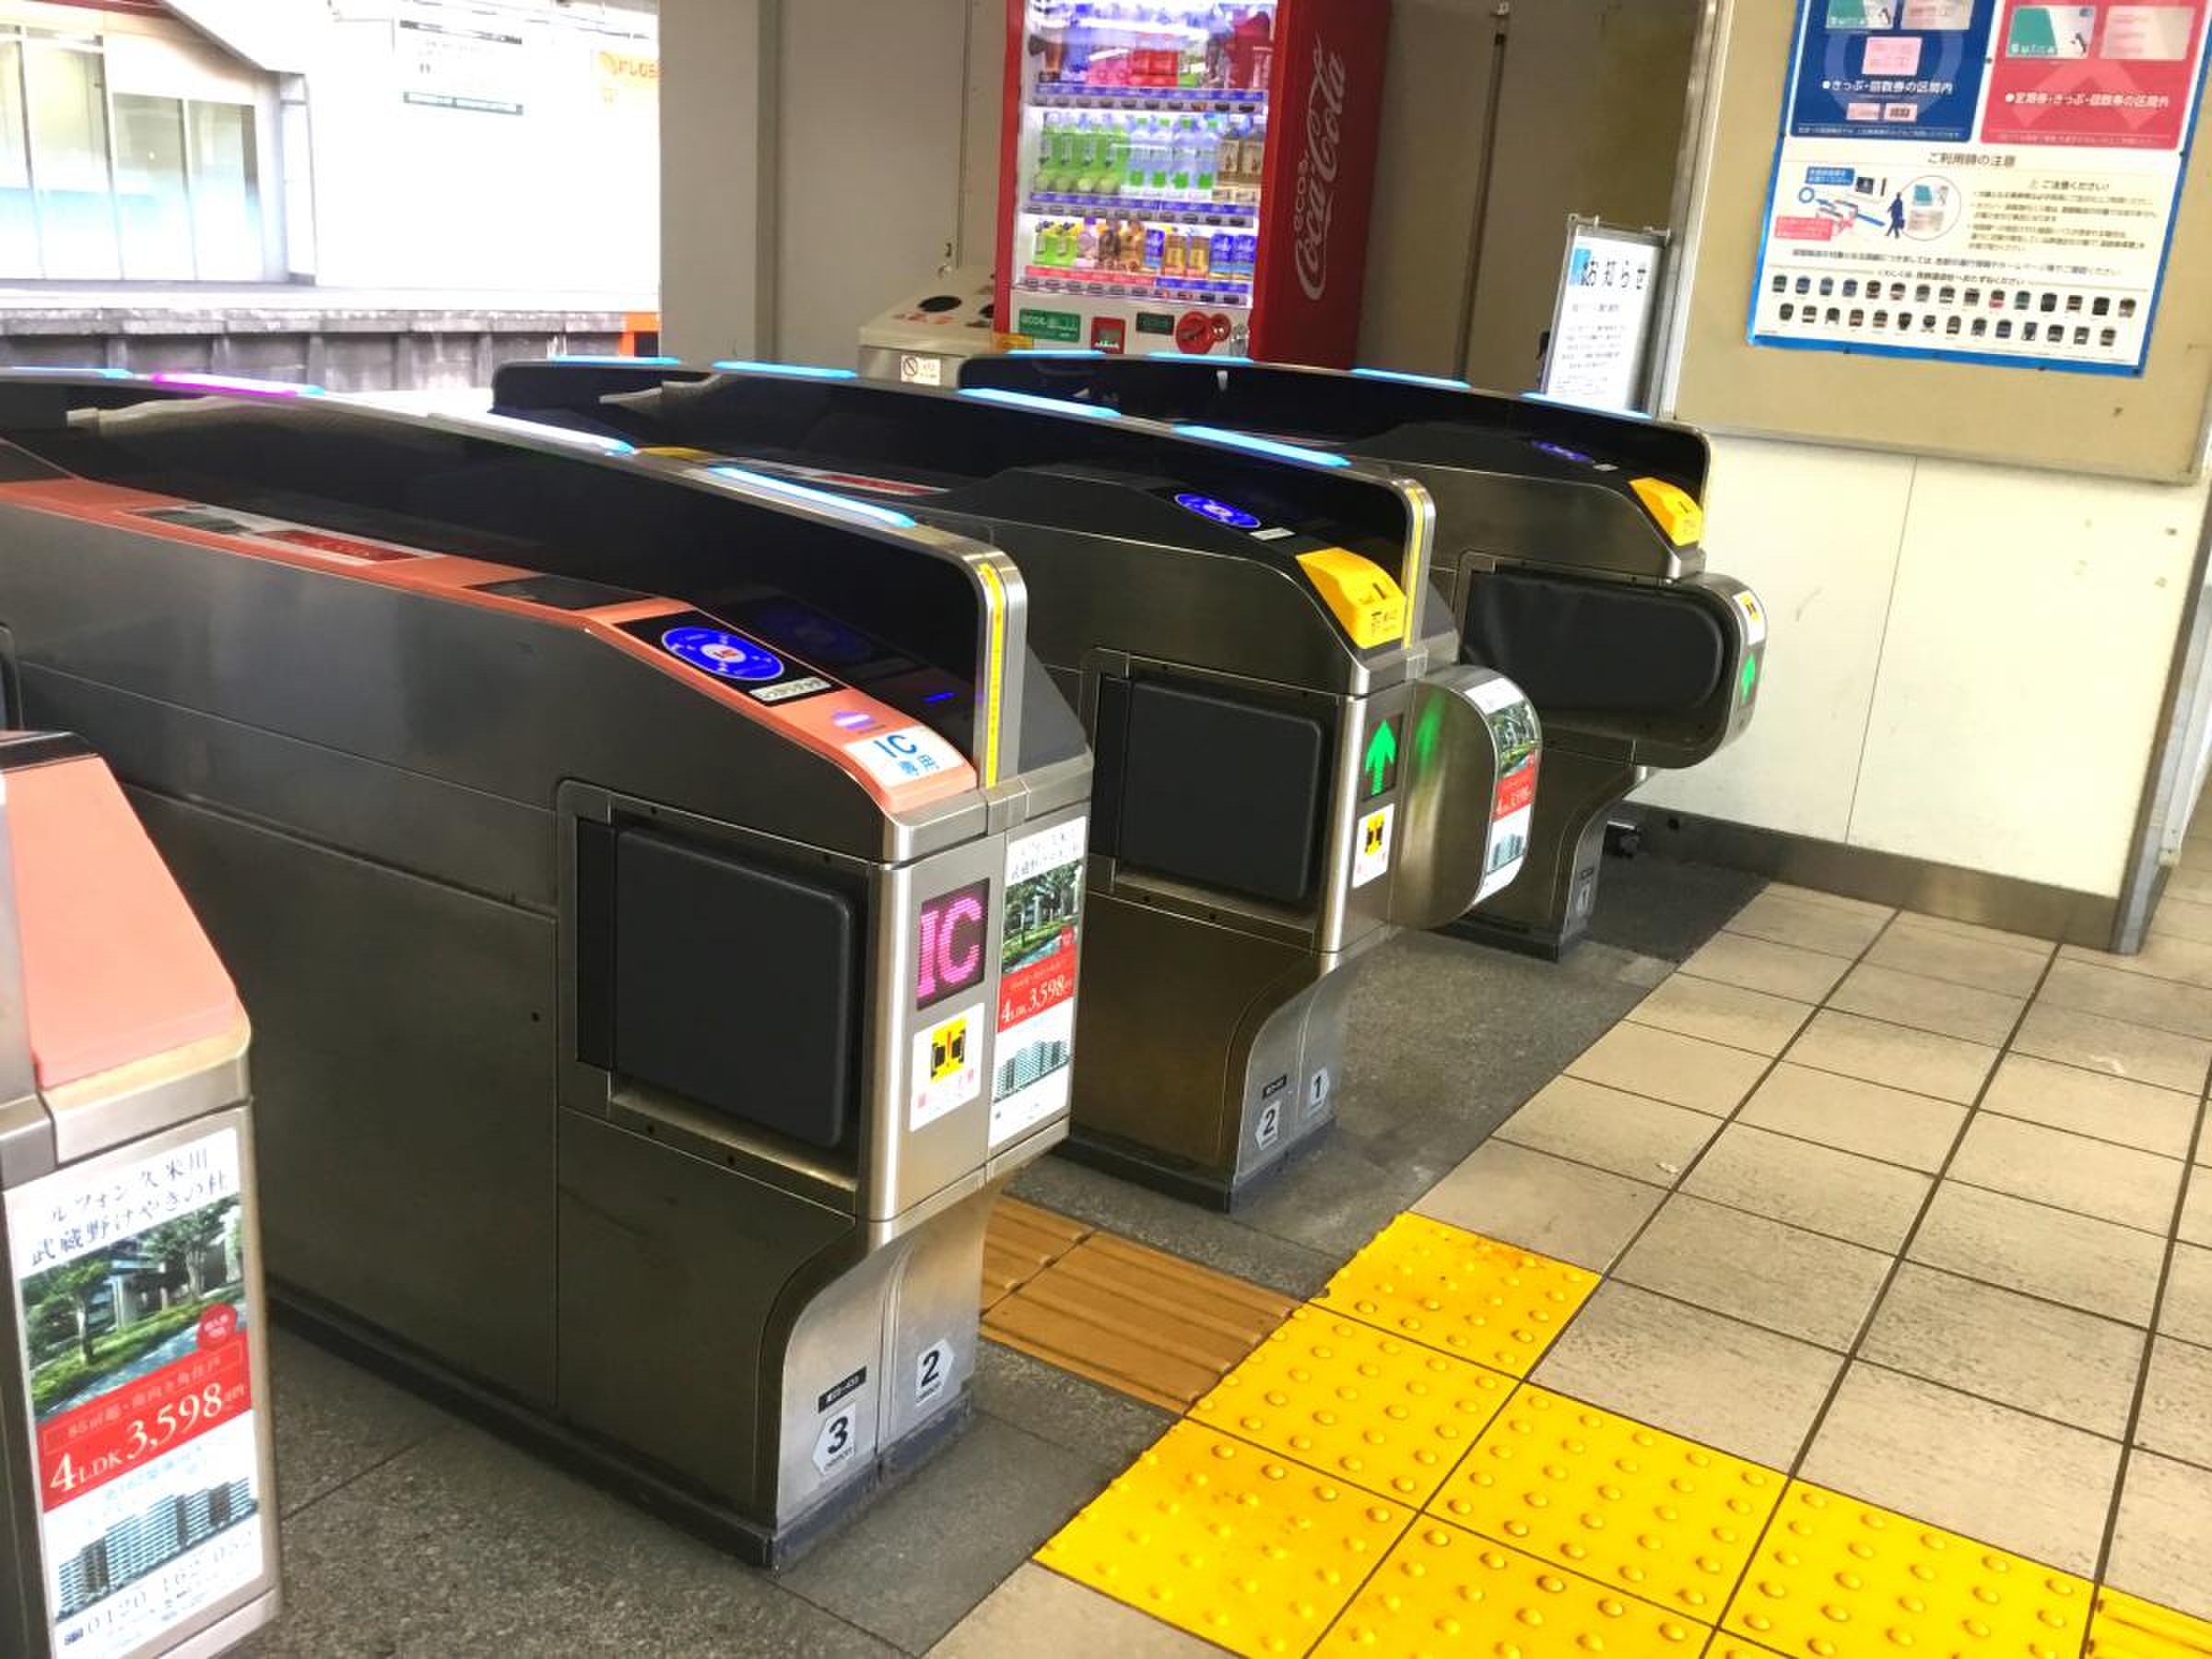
(1987, 180)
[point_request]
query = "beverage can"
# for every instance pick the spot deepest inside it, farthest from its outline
(1156, 250)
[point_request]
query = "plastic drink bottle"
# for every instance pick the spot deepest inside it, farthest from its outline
(1074, 59)
(1086, 247)
(1198, 257)
(1051, 35)
(1255, 160)
(1159, 139)
(1175, 253)
(1113, 155)
(1205, 161)
(1136, 162)
(1184, 152)
(1083, 157)
(1133, 246)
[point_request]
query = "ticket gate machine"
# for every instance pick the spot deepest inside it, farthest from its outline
(629, 990)
(1570, 553)
(1290, 763)
(136, 1514)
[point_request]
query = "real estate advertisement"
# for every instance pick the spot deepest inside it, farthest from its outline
(1037, 984)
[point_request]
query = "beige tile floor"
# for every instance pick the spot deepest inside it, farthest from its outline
(1914, 1209)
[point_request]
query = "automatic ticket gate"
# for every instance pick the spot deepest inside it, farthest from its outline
(136, 1514)
(636, 998)
(1290, 763)
(1570, 548)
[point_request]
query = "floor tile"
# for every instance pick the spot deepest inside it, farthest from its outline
(1691, 1373)
(2072, 1171)
(1095, 1422)
(2187, 1309)
(1729, 1014)
(2058, 1362)
(2098, 1267)
(334, 1421)
(2183, 919)
(1826, 900)
(1876, 1052)
(1994, 1473)
(1384, 1415)
(2118, 1048)
(1011, 1491)
(1836, 1575)
(2092, 988)
(2162, 1546)
(1814, 1187)
(1646, 1513)
(1757, 1270)
(1762, 965)
(1544, 1203)
(1936, 952)
(465, 1545)
(1976, 931)
(1624, 1132)
(1928, 1004)
(2065, 1097)
(2177, 1401)
(1458, 1292)
(1011, 1622)
(1666, 1065)
(2196, 1213)
(1229, 1542)
(2128, 1626)
(1892, 1124)
(2163, 956)
(2193, 882)
(1787, 919)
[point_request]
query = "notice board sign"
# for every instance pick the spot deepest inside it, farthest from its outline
(1983, 181)
(1601, 325)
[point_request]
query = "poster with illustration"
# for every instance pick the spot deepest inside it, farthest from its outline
(1037, 983)
(131, 1292)
(1519, 736)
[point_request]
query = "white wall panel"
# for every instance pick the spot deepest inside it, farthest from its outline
(2026, 658)
(1817, 532)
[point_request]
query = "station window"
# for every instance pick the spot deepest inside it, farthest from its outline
(97, 184)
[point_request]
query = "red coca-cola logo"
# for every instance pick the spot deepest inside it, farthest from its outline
(1314, 199)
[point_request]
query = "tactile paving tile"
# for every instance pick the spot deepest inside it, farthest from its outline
(1641, 1510)
(1150, 1325)
(1835, 1578)
(1455, 1290)
(1445, 1591)
(1250, 1550)
(2124, 1627)
(1390, 1416)
(1020, 1241)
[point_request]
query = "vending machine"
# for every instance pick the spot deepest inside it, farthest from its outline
(1189, 176)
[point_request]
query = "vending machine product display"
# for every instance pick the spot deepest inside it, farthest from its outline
(1189, 176)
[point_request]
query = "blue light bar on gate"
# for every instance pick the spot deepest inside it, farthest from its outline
(797, 370)
(87, 370)
(611, 361)
(813, 498)
(1052, 351)
(1264, 446)
(568, 436)
(1569, 402)
(1049, 406)
(1443, 382)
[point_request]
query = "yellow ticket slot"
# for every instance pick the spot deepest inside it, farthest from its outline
(1675, 509)
(1365, 597)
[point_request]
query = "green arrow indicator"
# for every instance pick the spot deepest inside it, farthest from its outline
(1751, 680)
(1381, 758)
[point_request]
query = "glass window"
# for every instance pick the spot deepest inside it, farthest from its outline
(19, 218)
(68, 96)
(150, 202)
(226, 192)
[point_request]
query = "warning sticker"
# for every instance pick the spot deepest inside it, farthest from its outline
(1755, 616)
(905, 754)
(282, 533)
(947, 1069)
(1370, 853)
(831, 480)
(1037, 983)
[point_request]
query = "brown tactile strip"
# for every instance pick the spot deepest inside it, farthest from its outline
(1149, 1324)
(1021, 1242)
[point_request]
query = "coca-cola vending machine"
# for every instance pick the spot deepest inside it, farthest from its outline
(1189, 175)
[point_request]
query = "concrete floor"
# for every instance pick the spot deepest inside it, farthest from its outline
(407, 1531)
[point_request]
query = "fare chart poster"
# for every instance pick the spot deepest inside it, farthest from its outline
(1986, 180)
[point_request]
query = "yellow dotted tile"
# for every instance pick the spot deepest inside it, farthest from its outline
(2126, 1626)
(1250, 1550)
(1836, 1577)
(1651, 1514)
(1390, 1416)
(1445, 1591)
(1460, 1292)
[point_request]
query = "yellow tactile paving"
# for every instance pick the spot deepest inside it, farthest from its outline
(2124, 1627)
(1835, 1577)
(1446, 1591)
(1638, 1510)
(1250, 1550)
(1390, 1416)
(1455, 1290)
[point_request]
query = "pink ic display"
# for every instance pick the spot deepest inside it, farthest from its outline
(949, 953)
